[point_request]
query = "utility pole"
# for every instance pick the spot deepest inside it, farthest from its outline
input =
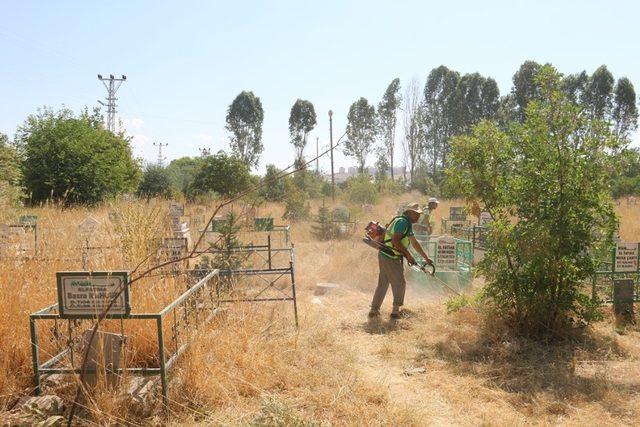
(112, 87)
(160, 158)
(317, 157)
(333, 180)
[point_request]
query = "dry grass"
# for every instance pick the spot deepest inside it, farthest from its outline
(252, 367)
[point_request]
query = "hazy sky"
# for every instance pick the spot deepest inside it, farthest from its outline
(186, 61)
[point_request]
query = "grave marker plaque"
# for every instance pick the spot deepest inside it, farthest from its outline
(485, 218)
(626, 257)
(83, 294)
(30, 220)
(446, 252)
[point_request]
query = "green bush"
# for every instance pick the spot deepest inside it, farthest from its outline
(296, 206)
(360, 190)
(549, 172)
(74, 159)
(221, 174)
(155, 183)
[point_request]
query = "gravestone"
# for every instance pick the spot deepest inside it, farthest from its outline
(115, 217)
(173, 249)
(485, 218)
(104, 356)
(85, 294)
(626, 257)
(88, 227)
(623, 300)
(446, 252)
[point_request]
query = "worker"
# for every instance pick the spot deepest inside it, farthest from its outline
(397, 238)
(425, 225)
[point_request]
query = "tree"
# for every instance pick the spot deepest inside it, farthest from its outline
(10, 174)
(74, 158)
(361, 131)
(412, 121)
(536, 266)
(387, 110)
(625, 111)
(525, 87)
(182, 172)
(477, 98)
(575, 87)
(599, 93)
(244, 122)
(274, 189)
(225, 175)
(155, 182)
(442, 114)
(302, 120)
(382, 165)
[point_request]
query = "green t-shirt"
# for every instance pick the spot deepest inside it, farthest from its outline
(400, 225)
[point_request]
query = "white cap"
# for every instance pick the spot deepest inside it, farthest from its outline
(433, 200)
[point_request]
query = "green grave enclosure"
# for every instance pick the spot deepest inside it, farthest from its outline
(453, 258)
(263, 224)
(456, 222)
(621, 261)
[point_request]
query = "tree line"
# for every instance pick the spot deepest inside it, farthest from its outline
(59, 155)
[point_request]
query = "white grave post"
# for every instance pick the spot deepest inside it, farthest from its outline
(446, 252)
(86, 229)
(626, 257)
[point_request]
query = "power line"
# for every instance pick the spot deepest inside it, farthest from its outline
(112, 87)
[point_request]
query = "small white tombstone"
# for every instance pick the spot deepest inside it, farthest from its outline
(87, 227)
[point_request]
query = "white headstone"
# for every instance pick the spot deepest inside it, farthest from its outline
(446, 252)
(626, 257)
(176, 209)
(84, 293)
(87, 227)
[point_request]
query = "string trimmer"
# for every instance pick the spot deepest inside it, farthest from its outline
(374, 238)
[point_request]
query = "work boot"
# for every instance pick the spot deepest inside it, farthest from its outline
(374, 312)
(396, 313)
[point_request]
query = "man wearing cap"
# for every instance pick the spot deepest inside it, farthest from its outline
(398, 236)
(424, 226)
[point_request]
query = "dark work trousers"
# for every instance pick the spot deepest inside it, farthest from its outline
(391, 271)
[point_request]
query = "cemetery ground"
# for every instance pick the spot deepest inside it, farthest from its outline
(251, 366)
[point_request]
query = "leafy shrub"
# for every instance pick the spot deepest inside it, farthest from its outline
(296, 206)
(221, 174)
(74, 159)
(550, 173)
(155, 182)
(360, 190)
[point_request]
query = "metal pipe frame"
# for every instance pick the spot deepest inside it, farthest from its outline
(51, 313)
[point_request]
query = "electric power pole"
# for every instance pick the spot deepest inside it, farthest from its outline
(317, 157)
(112, 87)
(333, 180)
(160, 158)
